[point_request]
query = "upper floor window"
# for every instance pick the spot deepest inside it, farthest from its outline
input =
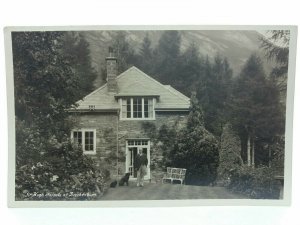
(86, 139)
(137, 108)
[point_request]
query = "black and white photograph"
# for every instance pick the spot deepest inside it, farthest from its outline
(126, 114)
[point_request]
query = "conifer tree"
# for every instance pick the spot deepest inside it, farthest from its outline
(166, 56)
(146, 56)
(196, 149)
(255, 110)
(76, 48)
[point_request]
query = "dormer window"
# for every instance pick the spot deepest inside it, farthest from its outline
(137, 108)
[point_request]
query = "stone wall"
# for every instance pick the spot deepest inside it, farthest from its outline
(109, 129)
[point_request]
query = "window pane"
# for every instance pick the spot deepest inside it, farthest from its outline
(137, 108)
(128, 108)
(77, 135)
(89, 141)
(146, 109)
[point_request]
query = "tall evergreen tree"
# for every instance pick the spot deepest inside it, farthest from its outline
(213, 93)
(190, 70)
(45, 86)
(166, 57)
(77, 49)
(196, 149)
(276, 48)
(256, 113)
(145, 61)
(124, 52)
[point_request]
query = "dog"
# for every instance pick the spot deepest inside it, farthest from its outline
(113, 184)
(124, 180)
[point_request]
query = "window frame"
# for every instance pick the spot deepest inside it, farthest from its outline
(143, 108)
(83, 130)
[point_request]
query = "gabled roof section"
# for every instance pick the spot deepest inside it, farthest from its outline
(134, 82)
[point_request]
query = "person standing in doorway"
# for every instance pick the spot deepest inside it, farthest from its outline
(141, 163)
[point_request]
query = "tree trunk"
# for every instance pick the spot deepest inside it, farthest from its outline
(248, 152)
(270, 155)
(253, 153)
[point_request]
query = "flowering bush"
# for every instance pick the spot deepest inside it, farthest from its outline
(63, 173)
(40, 182)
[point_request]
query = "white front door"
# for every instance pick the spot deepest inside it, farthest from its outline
(132, 147)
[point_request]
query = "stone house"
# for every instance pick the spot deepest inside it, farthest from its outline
(118, 119)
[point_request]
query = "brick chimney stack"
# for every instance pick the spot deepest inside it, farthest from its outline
(111, 70)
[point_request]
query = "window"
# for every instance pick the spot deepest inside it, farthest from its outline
(85, 139)
(137, 108)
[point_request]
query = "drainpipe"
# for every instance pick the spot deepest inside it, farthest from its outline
(118, 114)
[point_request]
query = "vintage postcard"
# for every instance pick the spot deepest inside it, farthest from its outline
(124, 115)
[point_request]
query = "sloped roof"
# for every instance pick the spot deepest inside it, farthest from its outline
(134, 82)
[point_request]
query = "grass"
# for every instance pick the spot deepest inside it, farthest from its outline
(158, 191)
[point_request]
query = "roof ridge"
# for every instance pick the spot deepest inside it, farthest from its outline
(182, 96)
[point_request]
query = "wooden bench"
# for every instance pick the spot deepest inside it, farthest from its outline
(175, 174)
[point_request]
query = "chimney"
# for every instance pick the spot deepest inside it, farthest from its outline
(111, 70)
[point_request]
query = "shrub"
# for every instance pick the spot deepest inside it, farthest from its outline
(63, 173)
(196, 149)
(258, 183)
(229, 155)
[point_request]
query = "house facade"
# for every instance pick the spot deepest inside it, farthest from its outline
(120, 118)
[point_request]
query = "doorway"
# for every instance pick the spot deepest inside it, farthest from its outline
(132, 147)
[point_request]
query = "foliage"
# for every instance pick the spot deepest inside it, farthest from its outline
(76, 48)
(166, 57)
(276, 149)
(123, 51)
(276, 48)
(256, 183)
(167, 137)
(146, 58)
(47, 83)
(52, 177)
(196, 149)
(230, 154)
(213, 92)
(255, 108)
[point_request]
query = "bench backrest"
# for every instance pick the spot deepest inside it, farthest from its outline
(178, 173)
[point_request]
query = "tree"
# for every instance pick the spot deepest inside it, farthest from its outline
(190, 70)
(45, 85)
(145, 61)
(166, 57)
(196, 149)
(230, 153)
(76, 48)
(276, 47)
(214, 87)
(123, 51)
(255, 110)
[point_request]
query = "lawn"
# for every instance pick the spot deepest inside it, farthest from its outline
(158, 191)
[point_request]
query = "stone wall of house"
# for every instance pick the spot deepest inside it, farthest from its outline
(109, 129)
